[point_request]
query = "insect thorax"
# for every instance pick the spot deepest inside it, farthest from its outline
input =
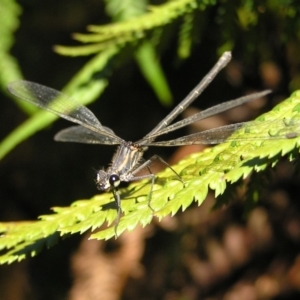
(124, 161)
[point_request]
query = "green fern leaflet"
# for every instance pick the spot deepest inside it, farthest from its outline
(257, 146)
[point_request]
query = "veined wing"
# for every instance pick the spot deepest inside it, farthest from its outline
(205, 114)
(80, 134)
(59, 104)
(254, 131)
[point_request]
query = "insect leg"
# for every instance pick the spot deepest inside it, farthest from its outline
(119, 210)
(146, 165)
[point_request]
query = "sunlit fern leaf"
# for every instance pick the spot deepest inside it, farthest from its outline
(213, 169)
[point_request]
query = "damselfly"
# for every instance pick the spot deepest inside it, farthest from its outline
(128, 161)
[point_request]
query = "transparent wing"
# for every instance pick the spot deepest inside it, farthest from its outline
(204, 114)
(80, 134)
(58, 104)
(254, 130)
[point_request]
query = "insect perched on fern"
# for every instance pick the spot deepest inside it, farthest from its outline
(128, 161)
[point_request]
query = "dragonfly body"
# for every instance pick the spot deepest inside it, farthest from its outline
(128, 162)
(124, 162)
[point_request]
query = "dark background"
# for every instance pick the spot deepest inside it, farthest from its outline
(40, 173)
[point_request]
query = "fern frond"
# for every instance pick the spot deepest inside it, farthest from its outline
(133, 29)
(134, 26)
(10, 71)
(9, 14)
(185, 36)
(213, 169)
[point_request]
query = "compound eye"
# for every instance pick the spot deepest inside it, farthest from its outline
(114, 180)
